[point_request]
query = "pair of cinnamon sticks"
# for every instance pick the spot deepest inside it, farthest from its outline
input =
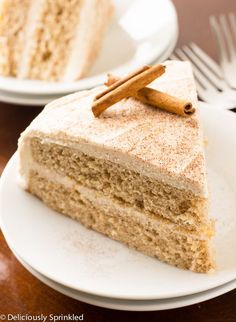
(134, 85)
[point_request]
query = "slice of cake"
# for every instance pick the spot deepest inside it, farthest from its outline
(51, 39)
(135, 174)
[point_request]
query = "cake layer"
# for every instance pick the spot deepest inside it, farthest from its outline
(50, 32)
(13, 18)
(124, 185)
(125, 225)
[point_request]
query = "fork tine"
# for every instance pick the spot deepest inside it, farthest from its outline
(173, 57)
(202, 94)
(219, 38)
(209, 61)
(181, 54)
(203, 86)
(203, 68)
(205, 83)
(199, 86)
(232, 20)
(227, 36)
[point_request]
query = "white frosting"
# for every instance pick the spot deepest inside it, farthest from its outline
(144, 139)
(81, 41)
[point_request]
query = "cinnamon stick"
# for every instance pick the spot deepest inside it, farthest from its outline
(119, 81)
(127, 86)
(159, 99)
(165, 101)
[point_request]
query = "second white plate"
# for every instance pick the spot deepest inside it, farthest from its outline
(129, 305)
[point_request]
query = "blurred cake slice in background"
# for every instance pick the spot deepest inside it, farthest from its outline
(52, 40)
(136, 174)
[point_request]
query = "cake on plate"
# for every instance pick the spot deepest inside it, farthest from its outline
(52, 40)
(135, 173)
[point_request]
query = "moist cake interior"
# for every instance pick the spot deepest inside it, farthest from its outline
(153, 237)
(123, 185)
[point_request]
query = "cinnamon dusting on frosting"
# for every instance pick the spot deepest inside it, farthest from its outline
(132, 133)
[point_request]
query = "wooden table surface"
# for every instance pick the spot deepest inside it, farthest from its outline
(20, 292)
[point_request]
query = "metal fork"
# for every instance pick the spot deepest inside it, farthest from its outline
(211, 86)
(224, 30)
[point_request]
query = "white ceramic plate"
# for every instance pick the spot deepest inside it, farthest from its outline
(66, 252)
(129, 305)
(40, 100)
(137, 36)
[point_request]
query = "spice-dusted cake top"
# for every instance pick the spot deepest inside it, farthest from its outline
(134, 133)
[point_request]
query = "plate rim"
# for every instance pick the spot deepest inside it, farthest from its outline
(165, 304)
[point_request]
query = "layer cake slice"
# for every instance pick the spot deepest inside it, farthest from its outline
(136, 173)
(52, 40)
